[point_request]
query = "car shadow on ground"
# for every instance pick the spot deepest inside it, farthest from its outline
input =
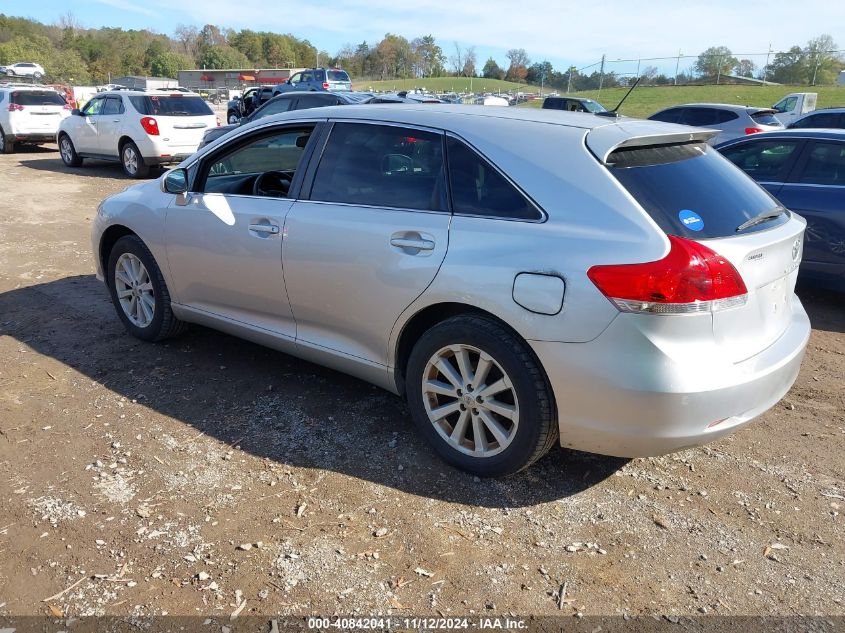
(826, 308)
(271, 404)
(89, 169)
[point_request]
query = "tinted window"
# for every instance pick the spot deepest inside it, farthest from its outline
(37, 98)
(825, 119)
(274, 107)
(765, 161)
(550, 103)
(382, 166)
(338, 75)
(702, 117)
(315, 101)
(113, 105)
(478, 189)
(672, 115)
(765, 118)
(671, 181)
(93, 107)
(279, 152)
(826, 165)
(170, 105)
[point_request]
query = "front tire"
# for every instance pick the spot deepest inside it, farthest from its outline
(478, 395)
(232, 118)
(132, 161)
(68, 152)
(139, 293)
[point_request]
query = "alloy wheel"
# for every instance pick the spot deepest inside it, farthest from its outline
(66, 150)
(130, 160)
(134, 290)
(470, 400)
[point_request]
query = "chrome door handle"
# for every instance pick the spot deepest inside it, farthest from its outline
(418, 243)
(272, 229)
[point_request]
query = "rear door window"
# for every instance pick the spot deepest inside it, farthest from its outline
(702, 117)
(479, 189)
(690, 190)
(825, 165)
(382, 166)
(170, 105)
(306, 102)
(825, 119)
(764, 161)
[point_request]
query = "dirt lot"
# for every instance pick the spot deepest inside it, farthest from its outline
(209, 474)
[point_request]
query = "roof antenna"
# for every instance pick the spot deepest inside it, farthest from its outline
(614, 113)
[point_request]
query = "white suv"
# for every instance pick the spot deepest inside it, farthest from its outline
(29, 115)
(138, 129)
(25, 69)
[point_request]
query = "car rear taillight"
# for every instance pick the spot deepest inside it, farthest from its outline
(15, 107)
(150, 125)
(753, 130)
(325, 85)
(691, 278)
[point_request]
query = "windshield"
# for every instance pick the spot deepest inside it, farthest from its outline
(692, 191)
(170, 105)
(38, 98)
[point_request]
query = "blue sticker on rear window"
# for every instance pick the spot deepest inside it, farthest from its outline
(691, 220)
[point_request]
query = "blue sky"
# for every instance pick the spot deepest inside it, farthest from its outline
(562, 32)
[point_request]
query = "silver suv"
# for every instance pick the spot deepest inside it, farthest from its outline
(731, 121)
(331, 79)
(521, 276)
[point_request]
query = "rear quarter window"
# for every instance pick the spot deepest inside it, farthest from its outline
(170, 105)
(690, 190)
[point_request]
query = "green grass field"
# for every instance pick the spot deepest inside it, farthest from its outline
(647, 100)
(444, 84)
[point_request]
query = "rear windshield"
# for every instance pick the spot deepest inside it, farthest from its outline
(170, 105)
(765, 118)
(692, 191)
(593, 106)
(338, 75)
(38, 98)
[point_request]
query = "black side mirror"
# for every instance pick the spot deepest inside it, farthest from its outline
(76, 112)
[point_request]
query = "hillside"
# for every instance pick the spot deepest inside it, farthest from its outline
(444, 84)
(647, 100)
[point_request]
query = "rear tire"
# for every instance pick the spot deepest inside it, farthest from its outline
(37, 76)
(139, 293)
(232, 117)
(132, 161)
(6, 146)
(498, 426)
(68, 152)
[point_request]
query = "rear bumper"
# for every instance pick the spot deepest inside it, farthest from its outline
(166, 160)
(626, 395)
(32, 137)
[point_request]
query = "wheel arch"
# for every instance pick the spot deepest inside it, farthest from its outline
(108, 239)
(426, 318)
(124, 139)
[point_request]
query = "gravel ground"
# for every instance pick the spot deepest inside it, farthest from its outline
(208, 475)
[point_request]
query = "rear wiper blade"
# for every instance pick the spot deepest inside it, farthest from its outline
(760, 218)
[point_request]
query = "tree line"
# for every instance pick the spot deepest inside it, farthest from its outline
(72, 53)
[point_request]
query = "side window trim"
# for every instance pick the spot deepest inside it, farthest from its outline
(542, 212)
(205, 162)
(320, 147)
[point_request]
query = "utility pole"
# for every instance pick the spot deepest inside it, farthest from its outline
(569, 80)
(718, 69)
(601, 73)
(677, 65)
(766, 67)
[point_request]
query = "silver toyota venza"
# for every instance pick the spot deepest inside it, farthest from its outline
(519, 276)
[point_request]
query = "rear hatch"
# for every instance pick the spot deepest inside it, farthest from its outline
(764, 119)
(692, 192)
(338, 80)
(182, 119)
(36, 111)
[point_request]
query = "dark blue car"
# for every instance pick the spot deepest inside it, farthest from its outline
(805, 170)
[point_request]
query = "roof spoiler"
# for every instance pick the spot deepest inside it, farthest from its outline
(604, 140)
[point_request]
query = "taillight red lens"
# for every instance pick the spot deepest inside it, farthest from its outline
(325, 85)
(691, 278)
(150, 125)
(753, 130)
(15, 107)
